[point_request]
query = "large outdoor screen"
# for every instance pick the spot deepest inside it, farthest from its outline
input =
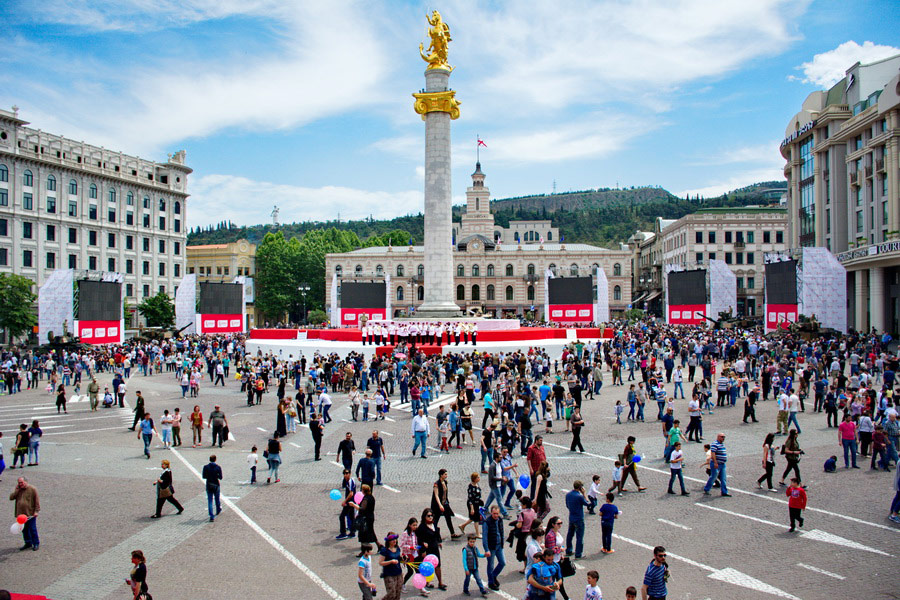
(221, 298)
(687, 287)
(781, 282)
(99, 301)
(571, 290)
(356, 294)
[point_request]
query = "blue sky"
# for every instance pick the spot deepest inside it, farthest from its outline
(307, 104)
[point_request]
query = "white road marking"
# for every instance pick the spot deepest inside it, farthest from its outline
(232, 497)
(821, 571)
(386, 433)
(294, 445)
(673, 524)
(82, 431)
(390, 419)
(337, 464)
(261, 429)
(268, 538)
(51, 419)
(736, 514)
(728, 575)
(390, 489)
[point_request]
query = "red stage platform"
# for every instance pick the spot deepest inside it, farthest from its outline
(500, 335)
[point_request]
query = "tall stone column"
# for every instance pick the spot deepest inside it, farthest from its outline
(861, 287)
(438, 106)
(877, 298)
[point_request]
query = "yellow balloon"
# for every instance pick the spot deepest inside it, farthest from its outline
(429, 578)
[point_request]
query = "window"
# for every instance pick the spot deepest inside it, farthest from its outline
(767, 237)
(129, 199)
(27, 258)
(490, 270)
(129, 267)
(162, 205)
(698, 237)
(129, 218)
(162, 269)
(617, 270)
(750, 237)
(146, 290)
(73, 208)
(740, 282)
(358, 269)
(476, 293)
(51, 205)
(476, 271)
(28, 179)
(27, 200)
(218, 270)
(145, 242)
(884, 213)
(460, 292)
(4, 173)
(400, 292)
(751, 258)
(145, 267)
(129, 289)
(617, 293)
(751, 283)
(531, 269)
(728, 259)
(399, 270)
(509, 292)
(162, 223)
(51, 233)
(420, 271)
(712, 237)
(110, 264)
(529, 294)
(92, 191)
(549, 236)
(490, 292)
(112, 195)
(177, 270)
(420, 293)
(27, 229)
(146, 220)
(4, 257)
(110, 240)
(92, 211)
(92, 263)
(177, 225)
(92, 238)
(177, 208)
(162, 289)
(178, 253)
(73, 235)
(739, 257)
(4, 227)
(779, 237)
(712, 256)
(509, 270)
(111, 215)
(147, 202)
(698, 257)
(460, 271)
(162, 248)
(860, 221)
(226, 271)
(51, 183)
(338, 270)
(4, 198)
(573, 270)
(727, 237)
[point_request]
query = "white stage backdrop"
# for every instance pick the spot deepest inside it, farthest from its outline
(186, 303)
(601, 311)
(335, 317)
(56, 304)
(823, 289)
(722, 288)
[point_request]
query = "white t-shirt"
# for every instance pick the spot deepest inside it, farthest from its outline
(592, 592)
(253, 459)
(365, 563)
(676, 454)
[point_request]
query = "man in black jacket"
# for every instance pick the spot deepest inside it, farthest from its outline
(492, 541)
(212, 473)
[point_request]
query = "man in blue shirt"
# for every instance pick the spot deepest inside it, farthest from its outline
(212, 473)
(655, 577)
(542, 578)
(544, 391)
(718, 458)
(576, 502)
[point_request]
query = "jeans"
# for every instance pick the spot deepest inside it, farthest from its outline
(30, 532)
(147, 437)
(716, 473)
(662, 408)
(494, 572)
(377, 470)
(496, 494)
(679, 386)
(486, 456)
(166, 436)
(212, 491)
(849, 447)
(640, 415)
(606, 530)
(631, 410)
(421, 438)
(792, 418)
(477, 580)
(325, 416)
(527, 440)
(576, 530)
(33, 451)
(676, 473)
(511, 485)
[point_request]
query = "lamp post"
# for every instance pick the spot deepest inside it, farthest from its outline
(304, 290)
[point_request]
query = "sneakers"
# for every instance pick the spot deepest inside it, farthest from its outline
(342, 536)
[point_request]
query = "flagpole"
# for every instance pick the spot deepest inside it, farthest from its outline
(477, 148)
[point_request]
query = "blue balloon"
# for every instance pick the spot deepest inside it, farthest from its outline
(477, 391)
(426, 569)
(524, 480)
(335, 494)
(637, 458)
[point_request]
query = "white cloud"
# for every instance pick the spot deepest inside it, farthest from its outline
(247, 202)
(828, 68)
(735, 181)
(767, 154)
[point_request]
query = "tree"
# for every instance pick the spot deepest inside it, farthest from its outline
(17, 314)
(316, 317)
(158, 310)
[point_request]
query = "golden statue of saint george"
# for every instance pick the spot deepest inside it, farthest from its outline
(439, 32)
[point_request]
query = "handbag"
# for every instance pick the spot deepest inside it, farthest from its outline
(165, 492)
(566, 567)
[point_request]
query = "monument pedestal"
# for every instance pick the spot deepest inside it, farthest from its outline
(437, 310)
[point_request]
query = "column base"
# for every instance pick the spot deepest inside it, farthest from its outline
(437, 310)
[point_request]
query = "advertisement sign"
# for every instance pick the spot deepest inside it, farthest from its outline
(100, 332)
(232, 323)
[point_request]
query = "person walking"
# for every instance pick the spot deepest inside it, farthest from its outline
(391, 571)
(577, 423)
(137, 580)
(376, 445)
(495, 482)
(470, 555)
(34, 443)
(492, 542)
(365, 518)
(420, 431)
(147, 429)
(273, 457)
(718, 460)
(316, 430)
(440, 502)
(676, 464)
(212, 474)
(365, 469)
(138, 410)
(576, 503)
(793, 408)
(768, 462)
(609, 512)
(176, 427)
(655, 576)
(364, 572)
(474, 504)
(429, 535)
(93, 390)
(219, 425)
(196, 420)
(61, 399)
(348, 515)
(796, 503)
(345, 451)
(791, 450)
(847, 438)
(28, 503)
(165, 491)
(629, 465)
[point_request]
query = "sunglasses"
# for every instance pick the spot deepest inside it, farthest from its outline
(663, 555)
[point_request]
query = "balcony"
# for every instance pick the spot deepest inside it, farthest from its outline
(532, 278)
(879, 165)
(739, 245)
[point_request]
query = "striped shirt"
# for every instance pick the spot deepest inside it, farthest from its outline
(655, 580)
(718, 448)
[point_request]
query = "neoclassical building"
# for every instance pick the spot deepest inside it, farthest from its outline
(493, 276)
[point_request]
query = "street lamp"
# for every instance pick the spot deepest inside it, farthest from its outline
(304, 290)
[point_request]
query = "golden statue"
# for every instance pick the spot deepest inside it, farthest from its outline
(439, 32)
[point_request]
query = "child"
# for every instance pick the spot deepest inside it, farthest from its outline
(831, 464)
(617, 478)
(619, 409)
(474, 503)
(470, 555)
(364, 572)
(379, 405)
(253, 460)
(592, 592)
(796, 503)
(365, 407)
(609, 512)
(548, 416)
(594, 494)
(630, 593)
(444, 431)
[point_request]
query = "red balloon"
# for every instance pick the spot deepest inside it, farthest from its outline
(21, 519)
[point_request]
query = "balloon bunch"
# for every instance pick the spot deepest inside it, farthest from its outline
(426, 571)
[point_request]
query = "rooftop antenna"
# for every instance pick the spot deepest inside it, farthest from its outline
(554, 186)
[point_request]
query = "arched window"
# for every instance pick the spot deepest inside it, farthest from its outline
(509, 292)
(4, 173)
(617, 270)
(476, 205)
(162, 205)
(617, 293)
(92, 191)
(358, 269)
(379, 270)
(549, 236)
(421, 293)
(73, 187)
(498, 236)
(420, 270)
(476, 271)
(552, 268)
(531, 269)
(490, 270)
(51, 183)
(177, 207)
(530, 294)
(400, 292)
(490, 292)
(399, 270)
(517, 236)
(460, 271)
(129, 199)
(27, 178)
(573, 270)
(338, 270)
(509, 270)
(460, 292)
(476, 293)
(112, 195)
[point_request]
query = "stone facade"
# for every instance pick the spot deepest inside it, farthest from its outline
(224, 262)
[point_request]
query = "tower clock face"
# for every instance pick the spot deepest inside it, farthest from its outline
(475, 246)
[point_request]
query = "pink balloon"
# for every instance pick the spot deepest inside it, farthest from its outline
(358, 497)
(434, 560)
(419, 581)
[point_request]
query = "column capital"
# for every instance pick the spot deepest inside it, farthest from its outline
(427, 102)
